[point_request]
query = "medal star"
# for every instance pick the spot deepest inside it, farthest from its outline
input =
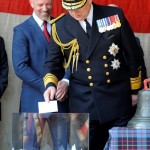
(115, 64)
(113, 49)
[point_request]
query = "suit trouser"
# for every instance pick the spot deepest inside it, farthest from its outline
(33, 132)
(59, 131)
(99, 132)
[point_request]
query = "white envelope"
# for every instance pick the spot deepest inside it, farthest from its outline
(45, 107)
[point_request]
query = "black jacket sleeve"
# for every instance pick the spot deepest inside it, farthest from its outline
(3, 67)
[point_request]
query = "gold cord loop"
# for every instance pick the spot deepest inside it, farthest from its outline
(74, 53)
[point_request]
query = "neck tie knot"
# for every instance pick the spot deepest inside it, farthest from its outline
(46, 33)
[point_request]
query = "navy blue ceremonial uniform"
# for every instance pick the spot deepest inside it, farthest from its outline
(95, 87)
(105, 69)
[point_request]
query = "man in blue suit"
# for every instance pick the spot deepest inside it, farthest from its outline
(28, 55)
(96, 48)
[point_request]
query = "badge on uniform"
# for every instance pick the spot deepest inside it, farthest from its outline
(114, 50)
(115, 64)
(108, 23)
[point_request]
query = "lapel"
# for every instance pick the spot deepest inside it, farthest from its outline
(95, 35)
(37, 31)
(81, 36)
(78, 31)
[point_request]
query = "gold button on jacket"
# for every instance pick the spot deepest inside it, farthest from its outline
(87, 61)
(88, 69)
(91, 84)
(89, 77)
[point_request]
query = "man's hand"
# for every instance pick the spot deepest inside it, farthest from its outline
(134, 99)
(62, 89)
(49, 94)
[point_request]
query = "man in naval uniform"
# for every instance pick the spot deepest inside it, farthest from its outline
(95, 42)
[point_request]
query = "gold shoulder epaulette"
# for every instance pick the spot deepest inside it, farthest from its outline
(54, 20)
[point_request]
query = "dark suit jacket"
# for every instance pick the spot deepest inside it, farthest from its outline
(28, 55)
(95, 87)
(3, 69)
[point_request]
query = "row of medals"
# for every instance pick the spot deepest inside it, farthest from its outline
(109, 23)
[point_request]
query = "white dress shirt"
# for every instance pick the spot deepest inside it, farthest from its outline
(40, 22)
(89, 19)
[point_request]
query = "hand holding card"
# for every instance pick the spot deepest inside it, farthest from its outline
(45, 107)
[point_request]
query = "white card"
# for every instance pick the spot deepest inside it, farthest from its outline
(45, 107)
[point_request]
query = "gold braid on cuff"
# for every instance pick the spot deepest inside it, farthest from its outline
(136, 82)
(50, 78)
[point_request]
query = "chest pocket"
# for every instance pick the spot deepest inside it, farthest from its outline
(112, 36)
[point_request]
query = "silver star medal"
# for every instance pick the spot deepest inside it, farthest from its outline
(113, 49)
(115, 64)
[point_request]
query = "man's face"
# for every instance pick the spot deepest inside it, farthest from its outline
(82, 13)
(42, 8)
